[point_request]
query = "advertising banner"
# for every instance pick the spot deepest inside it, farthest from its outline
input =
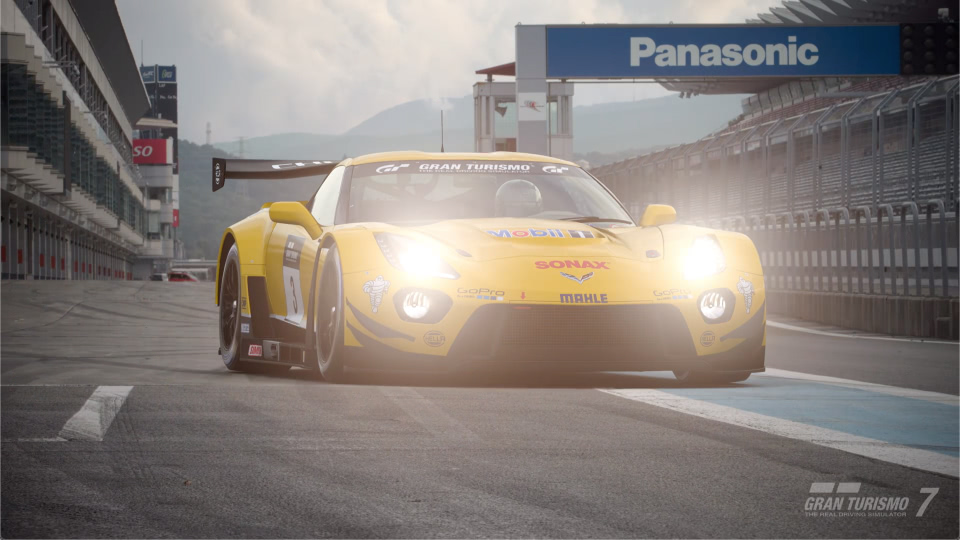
(697, 51)
(153, 151)
(148, 74)
(167, 74)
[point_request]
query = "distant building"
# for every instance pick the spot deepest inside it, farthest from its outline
(155, 152)
(72, 205)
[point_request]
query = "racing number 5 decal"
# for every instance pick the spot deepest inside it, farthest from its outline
(291, 279)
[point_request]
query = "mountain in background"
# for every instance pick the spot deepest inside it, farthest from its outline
(604, 132)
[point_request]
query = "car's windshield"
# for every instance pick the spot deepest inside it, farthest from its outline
(417, 192)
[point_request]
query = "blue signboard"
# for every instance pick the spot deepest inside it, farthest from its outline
(754, 50)
(167, 74)
(148, 73)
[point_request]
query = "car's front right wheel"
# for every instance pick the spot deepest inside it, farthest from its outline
(328, 320)
(230, 311)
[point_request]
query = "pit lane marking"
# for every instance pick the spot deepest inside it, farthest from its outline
(785, 326)
(915, 458)
(925, 395)
(93, 420)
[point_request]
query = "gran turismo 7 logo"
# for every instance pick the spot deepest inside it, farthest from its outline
(554, 169)
(843, 499)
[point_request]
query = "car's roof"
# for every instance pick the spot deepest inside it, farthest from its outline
(411, 155)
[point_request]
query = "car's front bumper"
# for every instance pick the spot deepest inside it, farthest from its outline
(632, 337)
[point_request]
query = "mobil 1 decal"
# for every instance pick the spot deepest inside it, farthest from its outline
(291, 280)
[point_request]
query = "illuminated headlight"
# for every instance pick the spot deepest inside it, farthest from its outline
(413, 257)
(713, 306)
(704, 259)
(416, 305)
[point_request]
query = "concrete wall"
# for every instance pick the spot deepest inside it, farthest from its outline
(928, 317)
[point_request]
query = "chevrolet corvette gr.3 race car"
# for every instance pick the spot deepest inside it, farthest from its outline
(444, 261)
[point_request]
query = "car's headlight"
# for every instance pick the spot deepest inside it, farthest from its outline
(413, 257)
(704, 258)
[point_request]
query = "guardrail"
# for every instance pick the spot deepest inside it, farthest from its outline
(905, 249)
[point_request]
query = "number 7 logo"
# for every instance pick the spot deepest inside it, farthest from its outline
(932, 493)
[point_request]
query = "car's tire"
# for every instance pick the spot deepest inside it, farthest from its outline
(229, 324)
(328, 320)
(688, 376)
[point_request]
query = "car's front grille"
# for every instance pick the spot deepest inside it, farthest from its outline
(540, 332)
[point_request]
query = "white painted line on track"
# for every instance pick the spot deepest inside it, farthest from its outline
(936, 397)
(792, 328)
(34, 439)
(872, 448)
(93, 419)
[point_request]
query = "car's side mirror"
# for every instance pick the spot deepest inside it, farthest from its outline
(295, 213)
(658, 214)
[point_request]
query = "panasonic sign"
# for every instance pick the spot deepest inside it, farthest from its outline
(753, 50)
(731, 54)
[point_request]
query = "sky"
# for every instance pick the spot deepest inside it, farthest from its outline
(258, 67)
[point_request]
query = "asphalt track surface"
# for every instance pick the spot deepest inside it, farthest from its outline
(119, 420)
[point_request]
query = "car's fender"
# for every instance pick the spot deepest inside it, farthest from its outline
(250, 235)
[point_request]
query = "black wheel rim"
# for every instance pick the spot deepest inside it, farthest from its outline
(229, 308)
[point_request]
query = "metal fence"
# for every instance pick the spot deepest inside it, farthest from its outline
(888, 147)
(904, 249)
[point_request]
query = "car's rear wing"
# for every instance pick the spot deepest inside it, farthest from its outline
(265, 169)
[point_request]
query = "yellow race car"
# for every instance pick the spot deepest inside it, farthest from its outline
(449, 261)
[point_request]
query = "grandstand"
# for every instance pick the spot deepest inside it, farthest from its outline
(886, 140)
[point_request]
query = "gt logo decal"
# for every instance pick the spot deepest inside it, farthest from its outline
(391, 167)
(554, 169)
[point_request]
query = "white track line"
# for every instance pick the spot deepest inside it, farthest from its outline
(901, 455)
(93, 419)
(785, 326)
(924, 395)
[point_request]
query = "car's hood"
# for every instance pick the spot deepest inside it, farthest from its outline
(499, 238)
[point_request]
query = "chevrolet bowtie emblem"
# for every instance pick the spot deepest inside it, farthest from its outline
(580, 279)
